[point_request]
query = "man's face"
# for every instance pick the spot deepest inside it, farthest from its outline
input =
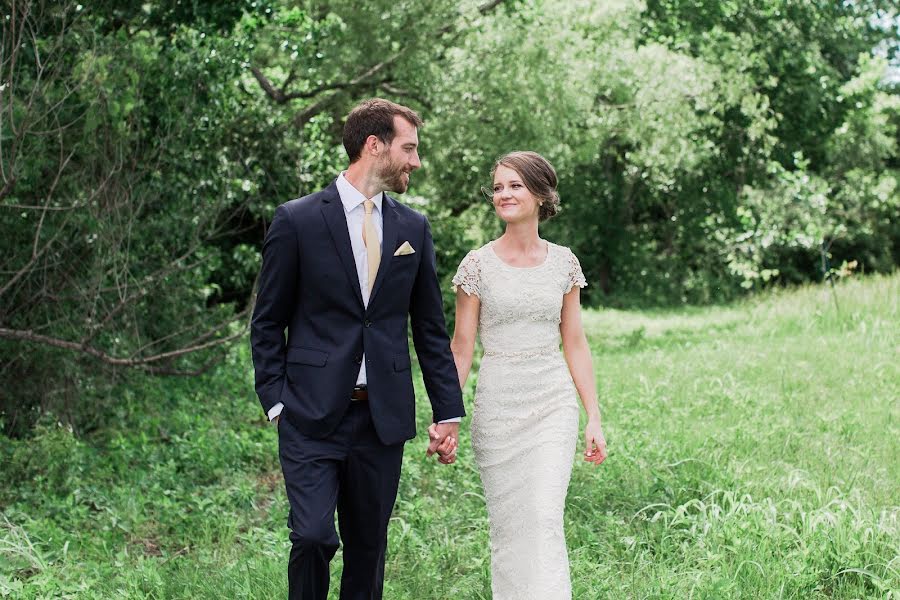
(400, 158)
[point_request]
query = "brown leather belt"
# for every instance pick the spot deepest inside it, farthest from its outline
(359, 394)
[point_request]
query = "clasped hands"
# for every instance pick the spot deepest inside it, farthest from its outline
(443, 440)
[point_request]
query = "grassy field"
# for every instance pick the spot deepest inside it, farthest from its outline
(754, 453)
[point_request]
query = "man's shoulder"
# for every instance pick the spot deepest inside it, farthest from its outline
(405, 211)
(311, 201)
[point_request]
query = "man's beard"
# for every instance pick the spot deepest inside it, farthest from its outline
(394, 178)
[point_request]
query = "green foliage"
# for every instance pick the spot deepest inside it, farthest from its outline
(753, 454)
(52, 461)
(704, 149)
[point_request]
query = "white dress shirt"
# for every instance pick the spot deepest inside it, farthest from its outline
(353, 200)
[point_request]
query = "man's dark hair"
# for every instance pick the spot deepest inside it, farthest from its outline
(374, 117)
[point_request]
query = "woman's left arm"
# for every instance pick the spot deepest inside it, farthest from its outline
(578, 357)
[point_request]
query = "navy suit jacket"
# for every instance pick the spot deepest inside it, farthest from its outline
(308, 285)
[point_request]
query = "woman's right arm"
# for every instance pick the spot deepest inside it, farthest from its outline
(463, 343)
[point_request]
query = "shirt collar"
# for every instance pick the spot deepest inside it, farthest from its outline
(352, 197)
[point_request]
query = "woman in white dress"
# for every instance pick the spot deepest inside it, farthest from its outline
(520, 293)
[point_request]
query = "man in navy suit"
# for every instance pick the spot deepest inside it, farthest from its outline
(344, 271)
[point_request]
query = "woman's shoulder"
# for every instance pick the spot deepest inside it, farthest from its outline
(469, 274)
(479, 253)
(473, 259)
(560, 250)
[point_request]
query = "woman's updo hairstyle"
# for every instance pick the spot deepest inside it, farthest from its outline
(539, 177)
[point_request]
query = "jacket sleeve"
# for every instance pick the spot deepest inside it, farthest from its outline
(430, 338)
(275, 300)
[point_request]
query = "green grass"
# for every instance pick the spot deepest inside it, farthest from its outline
(754, 453)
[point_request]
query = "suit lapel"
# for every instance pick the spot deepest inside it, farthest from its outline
(388, 243)
(336, 220)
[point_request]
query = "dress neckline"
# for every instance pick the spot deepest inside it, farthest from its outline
(506, 264)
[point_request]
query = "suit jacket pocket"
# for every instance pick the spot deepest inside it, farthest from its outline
(405, 264)
(307, 356)
(401, 362)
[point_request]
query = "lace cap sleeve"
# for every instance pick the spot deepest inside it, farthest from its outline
(468, 275)
(576, 275)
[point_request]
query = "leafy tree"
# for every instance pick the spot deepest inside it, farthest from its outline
(119, 175)
(703, 148)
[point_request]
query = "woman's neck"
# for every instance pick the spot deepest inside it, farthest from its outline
(521, 237)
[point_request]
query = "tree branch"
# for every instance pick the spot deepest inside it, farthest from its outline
(328, 92)
(390, 89)
(270, 90)
(30, 336)
(8, 187)
(489, 6)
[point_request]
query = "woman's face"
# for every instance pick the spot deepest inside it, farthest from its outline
(513, 202)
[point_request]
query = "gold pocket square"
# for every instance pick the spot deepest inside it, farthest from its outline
(404, 249)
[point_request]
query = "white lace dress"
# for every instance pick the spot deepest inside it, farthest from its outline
(525, 422)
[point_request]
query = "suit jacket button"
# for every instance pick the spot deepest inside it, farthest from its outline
(368, 323)
(358, 360)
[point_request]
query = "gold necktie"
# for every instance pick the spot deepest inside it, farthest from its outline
(370, 239)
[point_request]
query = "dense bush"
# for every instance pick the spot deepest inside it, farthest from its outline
(704, 150)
